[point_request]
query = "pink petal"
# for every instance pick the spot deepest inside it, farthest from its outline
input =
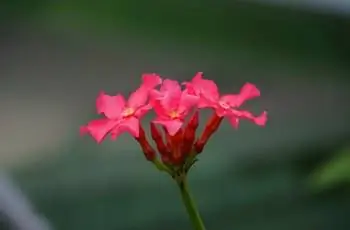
(159, 109)
(231, 100)
(205, 103)
(259, 120)
(142, 110)
(171, 86)
(98, 129)
(221, 112)
(83, 130)
(189, 88)
(155, 95)
(172, 126)
(130, 125)
(207, 88)
(138, 98)
(187, 102)
(110, 106)
(197, 77)
(248, 91)
(234, 121)
(169, 100)
(169, 95)
(151, 80)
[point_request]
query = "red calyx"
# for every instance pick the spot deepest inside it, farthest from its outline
(190, 133)
(158, 139)
(210, 128)
(147, 149)
(176, 143)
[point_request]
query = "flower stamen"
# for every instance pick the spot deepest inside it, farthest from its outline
(224, 105)
(174, 115)
(127, 112)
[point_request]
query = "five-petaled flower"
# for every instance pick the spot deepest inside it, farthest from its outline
(121, 115)
(224, 105)
(172, 105)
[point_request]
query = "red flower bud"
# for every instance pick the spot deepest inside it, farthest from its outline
(167, 138)
(210, 128)
(190, 133)
(194, 121)
(177, 155)
(158, 139)
(147, 149)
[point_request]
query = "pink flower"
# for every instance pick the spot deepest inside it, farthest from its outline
(225, 105)
(171, 105)
(121, 115)
(204, 88)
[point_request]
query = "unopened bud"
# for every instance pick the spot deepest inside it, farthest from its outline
(190, 133)
(210, 128)
(147, 149)
(174, 145)
(158, 139)
(167, 138)
(194, 121)
(155, 132)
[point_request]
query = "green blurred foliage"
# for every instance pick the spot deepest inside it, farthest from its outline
(333, 173)
(222, 25)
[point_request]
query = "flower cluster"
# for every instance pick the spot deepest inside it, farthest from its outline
(177, 116)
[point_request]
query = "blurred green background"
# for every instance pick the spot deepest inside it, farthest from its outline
(57, 55)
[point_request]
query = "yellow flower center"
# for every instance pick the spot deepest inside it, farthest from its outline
(173, 114)
(128, 112)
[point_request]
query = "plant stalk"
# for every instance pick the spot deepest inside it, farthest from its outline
(189, 203)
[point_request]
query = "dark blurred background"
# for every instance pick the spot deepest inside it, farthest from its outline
(55, 56)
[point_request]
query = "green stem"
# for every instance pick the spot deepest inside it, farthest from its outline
(190, 205)
(159, 165)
